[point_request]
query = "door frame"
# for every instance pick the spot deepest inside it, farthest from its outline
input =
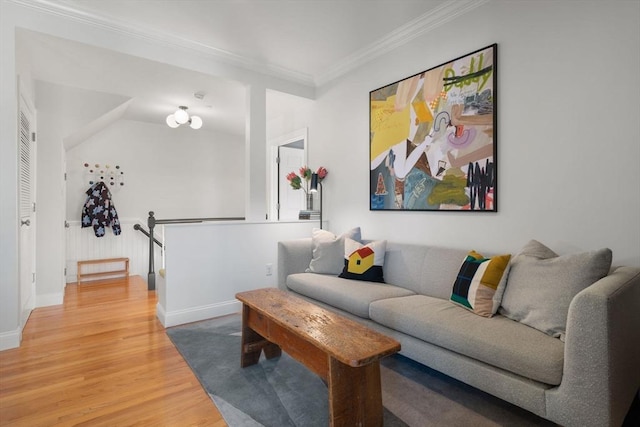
(273, 195)
(27, 302)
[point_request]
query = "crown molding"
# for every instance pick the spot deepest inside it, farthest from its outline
(66, 11)
(413, 29)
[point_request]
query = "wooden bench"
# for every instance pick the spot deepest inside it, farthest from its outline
(344, 353)
(121, 272)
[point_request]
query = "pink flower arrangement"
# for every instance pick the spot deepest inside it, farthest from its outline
(295, 180)
(322, 172)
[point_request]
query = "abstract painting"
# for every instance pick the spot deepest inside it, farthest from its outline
(432, 143)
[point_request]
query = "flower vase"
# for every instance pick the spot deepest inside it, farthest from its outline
(309, 201)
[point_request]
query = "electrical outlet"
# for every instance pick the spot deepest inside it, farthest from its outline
(269, 269)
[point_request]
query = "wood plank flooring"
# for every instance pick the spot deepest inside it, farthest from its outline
(100, 359)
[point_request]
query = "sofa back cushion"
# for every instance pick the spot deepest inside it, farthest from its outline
(328, 250)
(541, 285)
(426, 270)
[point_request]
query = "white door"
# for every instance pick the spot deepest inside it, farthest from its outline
(27, 208)
(290, 201)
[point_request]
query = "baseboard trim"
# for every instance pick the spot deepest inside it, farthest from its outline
(10, 339)
(45, 300)
(195, 314)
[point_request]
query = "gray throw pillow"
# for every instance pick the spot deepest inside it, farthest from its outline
(542, 284)
(328, 250)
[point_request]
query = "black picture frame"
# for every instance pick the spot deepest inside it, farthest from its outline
(433, 138)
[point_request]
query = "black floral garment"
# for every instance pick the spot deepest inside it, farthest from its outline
(99, 212)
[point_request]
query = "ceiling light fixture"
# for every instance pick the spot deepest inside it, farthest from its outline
(181, 117)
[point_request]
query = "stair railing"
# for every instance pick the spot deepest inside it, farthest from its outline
(152, 222)
(146, 233)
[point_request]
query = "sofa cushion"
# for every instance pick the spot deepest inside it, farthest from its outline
(426, 270)
(364, 261)
(542, 284)
(480, 283)
(353, 296)
(497, 341)
(328, 250)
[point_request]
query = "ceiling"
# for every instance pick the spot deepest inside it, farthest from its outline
(85, 82)
(304, 37)
(306, 41)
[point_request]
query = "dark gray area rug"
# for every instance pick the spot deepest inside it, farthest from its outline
(282, 392)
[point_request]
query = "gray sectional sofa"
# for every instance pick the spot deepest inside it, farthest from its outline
(589, 378)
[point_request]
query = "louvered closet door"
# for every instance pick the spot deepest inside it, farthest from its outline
(27, 211)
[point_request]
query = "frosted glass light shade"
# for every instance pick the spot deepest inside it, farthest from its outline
(196, 122)
(171, 121)
(181, 116)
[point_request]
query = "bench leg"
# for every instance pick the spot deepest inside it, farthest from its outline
(355, 398)
(253, 343)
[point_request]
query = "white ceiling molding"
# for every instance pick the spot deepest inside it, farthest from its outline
(129, 30)
(419, 26)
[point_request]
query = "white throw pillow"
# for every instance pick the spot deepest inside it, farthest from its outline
(328, 250)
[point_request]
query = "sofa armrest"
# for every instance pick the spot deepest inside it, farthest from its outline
(294, 256)
(602, 353)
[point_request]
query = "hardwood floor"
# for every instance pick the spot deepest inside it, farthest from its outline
(100, 359)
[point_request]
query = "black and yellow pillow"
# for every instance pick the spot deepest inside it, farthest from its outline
(480, 283)
(364, 261)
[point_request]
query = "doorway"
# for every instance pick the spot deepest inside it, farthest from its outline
(27, 185)
(288, 154)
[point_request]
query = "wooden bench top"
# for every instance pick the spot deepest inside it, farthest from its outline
(344, 339)
(102, 260)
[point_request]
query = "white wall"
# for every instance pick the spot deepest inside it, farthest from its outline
(286, 113)
(81, 244)
(177, 173)
(207, 264)
(568, 134)
(50, 229)
(10, 331)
